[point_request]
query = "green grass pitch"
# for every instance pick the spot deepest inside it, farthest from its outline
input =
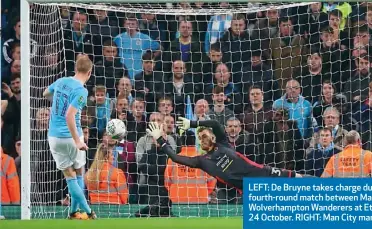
(131, 223)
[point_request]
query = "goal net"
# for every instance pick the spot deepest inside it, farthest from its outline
(273, 74)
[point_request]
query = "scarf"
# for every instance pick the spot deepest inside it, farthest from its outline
(326, 151)
(79, 40)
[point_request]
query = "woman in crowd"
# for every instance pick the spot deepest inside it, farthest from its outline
(105, 183)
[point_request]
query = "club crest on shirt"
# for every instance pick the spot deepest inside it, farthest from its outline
(81, 100)
(138, 42)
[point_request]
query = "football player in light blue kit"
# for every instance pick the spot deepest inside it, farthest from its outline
(65, 134)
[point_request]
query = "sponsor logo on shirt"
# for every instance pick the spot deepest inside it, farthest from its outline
(224, 162)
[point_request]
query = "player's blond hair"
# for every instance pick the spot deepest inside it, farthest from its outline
(83, 64)
(93, 174)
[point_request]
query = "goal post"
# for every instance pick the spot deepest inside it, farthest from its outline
(25, 112)
(51, 44)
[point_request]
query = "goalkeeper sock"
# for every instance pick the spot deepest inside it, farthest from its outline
(77, 195)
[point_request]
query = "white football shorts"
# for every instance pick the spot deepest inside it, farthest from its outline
(65, 153)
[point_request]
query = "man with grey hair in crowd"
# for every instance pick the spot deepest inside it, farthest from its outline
(331, 120)
(352, 162)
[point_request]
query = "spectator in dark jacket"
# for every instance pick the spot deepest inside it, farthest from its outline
(335, 57)
(7, 46)
(210, 63)
(185, 48)
(284, 146)
(165, 106)
(137, 120)
(108, 71)
(311, 77)
(149, 25)
(236, 44)
(239, 138)
(11, 112)
(103, 27)
(361, 38)
(10, 51)
(357, 87)
(287, 51)
(317, 159)
(310, 20)
(363, 115)
(179, 85)
(222, 78)
(78, 40)
(330, 97)
(340, 26)
(148, 84)
(265, 29)
(331, 120)
(219, 111)
(257, 72)
(255, 115)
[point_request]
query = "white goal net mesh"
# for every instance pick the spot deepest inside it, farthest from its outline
(287, 81)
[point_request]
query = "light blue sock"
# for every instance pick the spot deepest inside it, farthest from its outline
(77, 194)
(74, 205)
(80, 181)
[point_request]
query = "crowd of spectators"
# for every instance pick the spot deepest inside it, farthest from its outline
(288, 85)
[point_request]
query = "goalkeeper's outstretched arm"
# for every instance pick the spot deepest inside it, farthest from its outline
(192, 162)
(156, 131)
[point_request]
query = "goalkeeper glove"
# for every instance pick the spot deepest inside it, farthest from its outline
(155, 130)
(183, 123)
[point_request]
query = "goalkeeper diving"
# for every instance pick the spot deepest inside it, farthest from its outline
(221, 160)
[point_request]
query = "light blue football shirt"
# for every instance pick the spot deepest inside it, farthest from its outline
(131, 50)
(66, 91)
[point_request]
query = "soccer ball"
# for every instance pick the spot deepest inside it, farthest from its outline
(116, 129)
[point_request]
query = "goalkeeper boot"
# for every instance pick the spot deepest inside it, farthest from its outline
(92, 215)
(78, 216)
